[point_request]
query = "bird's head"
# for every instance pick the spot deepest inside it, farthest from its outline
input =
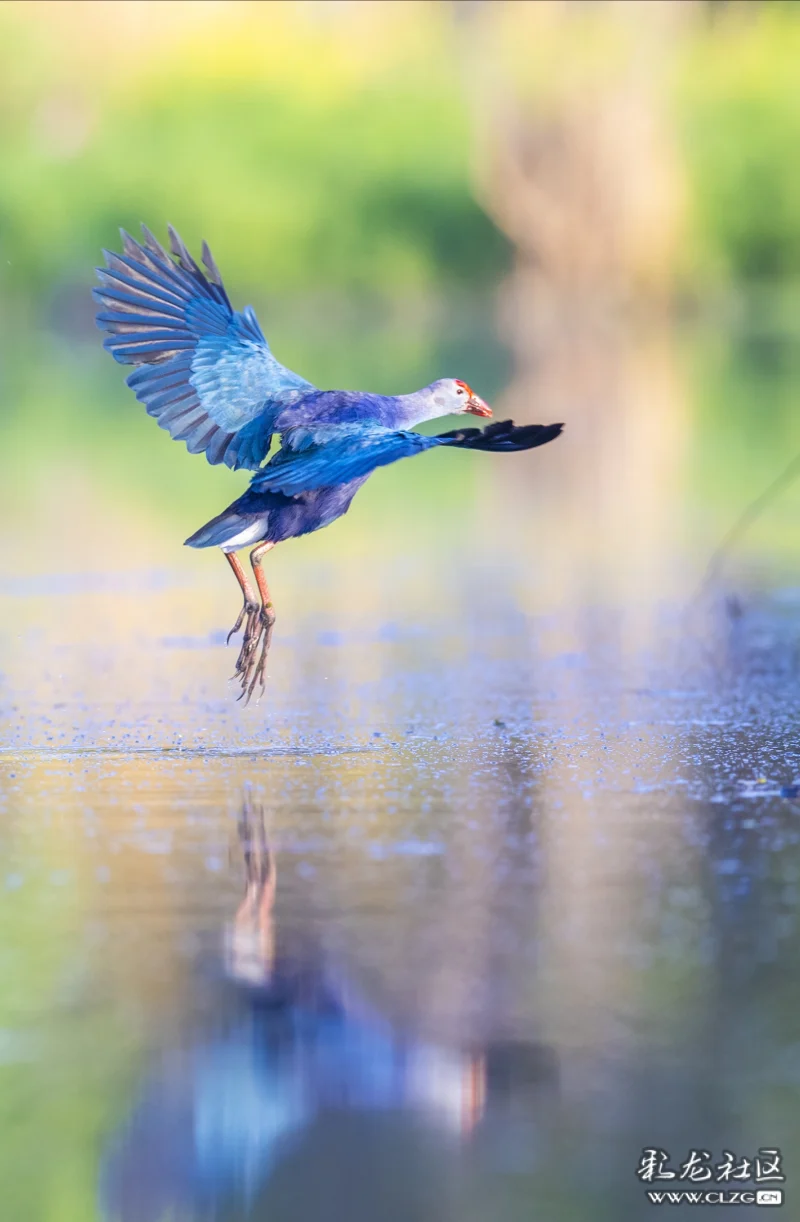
(456, 397)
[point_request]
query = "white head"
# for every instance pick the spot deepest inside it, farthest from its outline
(447, 397)
(455, 396)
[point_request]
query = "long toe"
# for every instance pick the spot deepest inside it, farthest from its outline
(250, 641)
(258, 673)
(258, 676)
(247, 675)
(247, 610)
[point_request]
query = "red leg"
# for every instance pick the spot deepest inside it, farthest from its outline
(250, 600)
(254, 672)
(250, 610)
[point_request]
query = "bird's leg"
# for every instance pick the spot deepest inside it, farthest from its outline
(253, 672)
(250, 611)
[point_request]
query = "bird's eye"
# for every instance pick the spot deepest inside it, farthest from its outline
(460, 390)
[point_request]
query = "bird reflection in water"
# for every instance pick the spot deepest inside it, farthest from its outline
(303, 1102)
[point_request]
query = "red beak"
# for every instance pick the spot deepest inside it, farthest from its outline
(476, 406)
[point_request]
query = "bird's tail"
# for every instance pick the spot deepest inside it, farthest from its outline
(226, 529)
(504, 436)
(212, 534)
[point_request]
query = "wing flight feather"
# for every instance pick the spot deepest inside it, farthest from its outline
(203, 370)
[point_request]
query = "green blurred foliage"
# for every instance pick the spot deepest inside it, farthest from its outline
(739, 104)
(745, 429)
(306, 164)
(326, 148)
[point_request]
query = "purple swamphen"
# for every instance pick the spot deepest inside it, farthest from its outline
(208, 376)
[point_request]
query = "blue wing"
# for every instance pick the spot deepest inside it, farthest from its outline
(204, 371)
(320, 456)
(325, 455)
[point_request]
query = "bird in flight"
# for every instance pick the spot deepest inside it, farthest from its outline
(207, 374)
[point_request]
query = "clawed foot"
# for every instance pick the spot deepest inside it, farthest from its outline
(250, 615)
(251, 665)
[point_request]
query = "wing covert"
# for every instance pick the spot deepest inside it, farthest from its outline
(324, 455)
(203, 370)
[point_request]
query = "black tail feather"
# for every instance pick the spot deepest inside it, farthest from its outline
(503, 436)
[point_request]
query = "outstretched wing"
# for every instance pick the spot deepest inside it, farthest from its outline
(324, 455)
(502, 437)
(204, 371)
